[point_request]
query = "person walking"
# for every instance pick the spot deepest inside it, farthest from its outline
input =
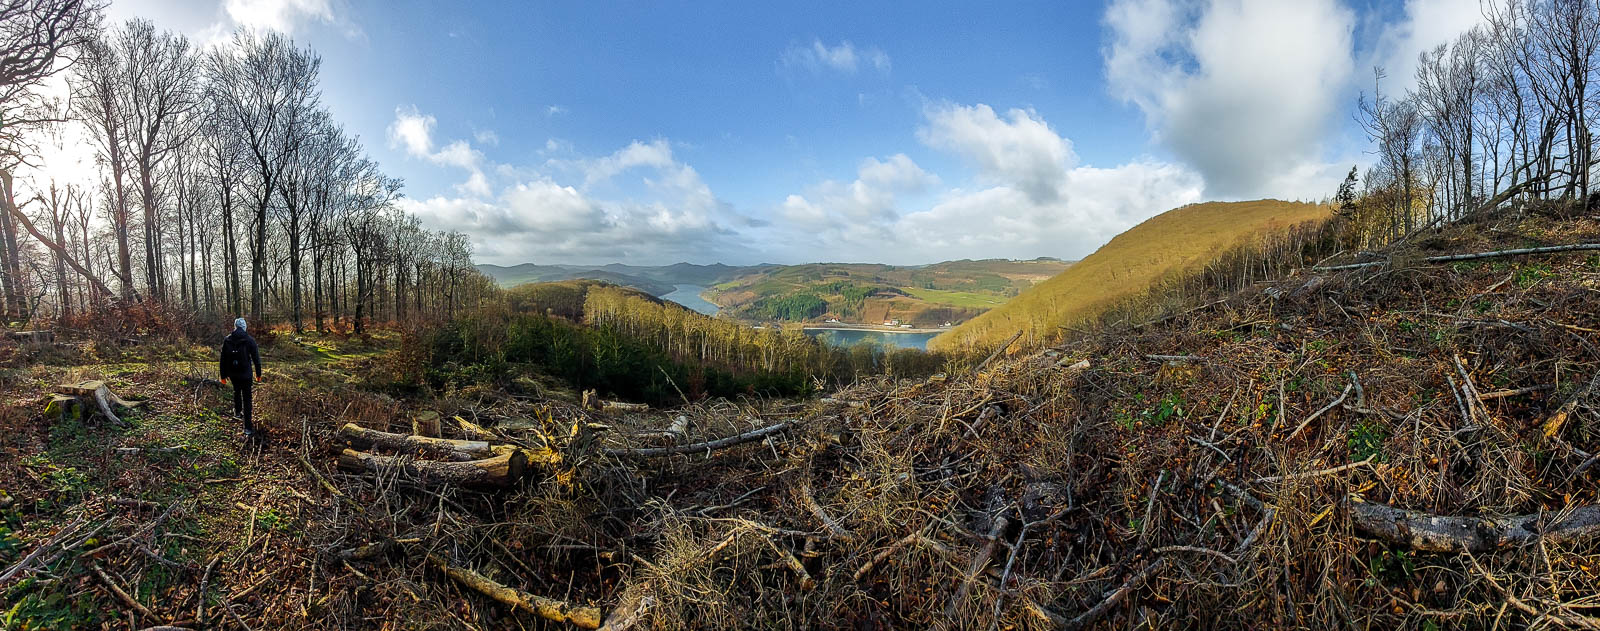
(239, 355)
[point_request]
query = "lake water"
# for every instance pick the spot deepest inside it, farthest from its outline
(689, 296)
(851, 337)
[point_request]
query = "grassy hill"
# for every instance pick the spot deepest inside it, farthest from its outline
(1159, 249)
(923, 295)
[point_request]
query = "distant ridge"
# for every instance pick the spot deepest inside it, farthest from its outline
(1129, 265)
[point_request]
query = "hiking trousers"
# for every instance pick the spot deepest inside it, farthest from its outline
(241, 400)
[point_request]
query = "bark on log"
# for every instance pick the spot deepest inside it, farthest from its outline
(547, 608)
(618, 406)
(751, 436)
(499, 471)
(365, 439)
(1439, 533)
(426, 424)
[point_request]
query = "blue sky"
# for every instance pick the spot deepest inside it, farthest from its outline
(653, 132)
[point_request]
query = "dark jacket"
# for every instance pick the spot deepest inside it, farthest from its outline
(239, 372)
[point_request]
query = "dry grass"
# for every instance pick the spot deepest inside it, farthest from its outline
(1015, 497)
(1164, 246)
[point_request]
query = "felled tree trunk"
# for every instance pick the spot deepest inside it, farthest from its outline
(501, 470)
(1439, 533)
(442, 448)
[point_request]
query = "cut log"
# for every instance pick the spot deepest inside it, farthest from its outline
(705, 447)
(1439, 533)
(33, 337)
(499, 471)
(547, 608)
(618, 406)
(366, 439)
(426, 424)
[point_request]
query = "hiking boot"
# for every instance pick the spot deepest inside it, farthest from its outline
(249, 434)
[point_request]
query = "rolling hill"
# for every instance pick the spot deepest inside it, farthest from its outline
(1162, 247)
(923, 296)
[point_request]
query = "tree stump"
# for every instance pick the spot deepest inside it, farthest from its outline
(426, 424)
(86, 392)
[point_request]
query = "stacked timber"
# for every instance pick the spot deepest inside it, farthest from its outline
(438, 461)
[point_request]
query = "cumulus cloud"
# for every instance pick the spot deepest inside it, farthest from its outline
(412, 131)
(870, 199)
(574, 210)
(1020, 148)
(1031, 197)
(1245, 91)
(844, 58)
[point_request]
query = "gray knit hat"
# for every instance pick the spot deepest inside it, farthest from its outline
(239, 324)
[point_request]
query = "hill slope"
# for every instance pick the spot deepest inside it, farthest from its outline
(1165, 245)
(864, 293)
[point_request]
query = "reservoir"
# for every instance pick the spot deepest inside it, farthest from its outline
(887, 339)
(689, 296)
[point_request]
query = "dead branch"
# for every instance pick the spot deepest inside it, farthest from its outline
(1440, 533)
(1317, 473)
(547, 608)
(1115, 597)
(997, 352)
(1324, 410)
(1576, 247)
(708, 446)
(978, 563)
(121, 595)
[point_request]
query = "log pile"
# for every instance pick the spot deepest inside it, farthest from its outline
(435, 461)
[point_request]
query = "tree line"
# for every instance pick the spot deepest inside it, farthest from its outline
(221, 183)
(1502, 113)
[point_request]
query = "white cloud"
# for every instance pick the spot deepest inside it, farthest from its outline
(844, 58)
(1427, 23)
(486, 137)
(1020, 149)
(553, 213)
(553, 110)
(1246, 111)
(1032, 197)
(872, 197)
(277, 15)
(412, 131)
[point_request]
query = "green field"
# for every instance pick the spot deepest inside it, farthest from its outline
(957, 298)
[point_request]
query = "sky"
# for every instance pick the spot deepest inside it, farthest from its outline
(745, 132)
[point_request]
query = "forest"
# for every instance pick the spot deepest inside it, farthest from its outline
(221, 184)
